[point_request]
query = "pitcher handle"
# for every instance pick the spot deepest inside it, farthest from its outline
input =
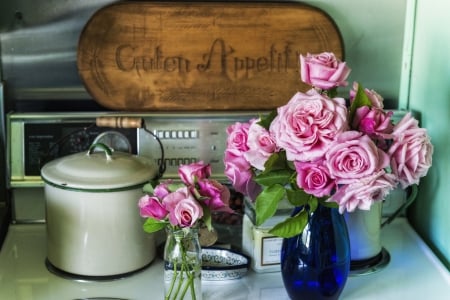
(412, 196)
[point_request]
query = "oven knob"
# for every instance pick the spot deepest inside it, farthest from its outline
(114, 140)
(79, 141)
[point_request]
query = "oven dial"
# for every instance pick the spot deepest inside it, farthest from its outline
(79, 141)
(114, 140)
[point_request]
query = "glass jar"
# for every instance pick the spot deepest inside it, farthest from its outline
(182, 264)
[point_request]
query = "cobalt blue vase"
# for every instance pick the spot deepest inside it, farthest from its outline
(316, 263)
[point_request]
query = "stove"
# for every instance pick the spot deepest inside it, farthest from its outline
(407, 267)
(169, 138)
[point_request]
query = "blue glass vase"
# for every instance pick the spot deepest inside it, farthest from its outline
(316, 263)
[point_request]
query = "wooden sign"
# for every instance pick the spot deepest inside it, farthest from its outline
(150, 56)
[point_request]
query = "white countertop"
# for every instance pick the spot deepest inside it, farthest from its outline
(413, 273)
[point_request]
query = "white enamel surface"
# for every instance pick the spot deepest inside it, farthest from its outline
(414, 273)
(97, 171)
(96, 234)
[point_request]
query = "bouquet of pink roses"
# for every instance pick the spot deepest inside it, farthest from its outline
(186, 203)
(320, 149)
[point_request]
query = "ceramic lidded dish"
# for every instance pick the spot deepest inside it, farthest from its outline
(223, 264)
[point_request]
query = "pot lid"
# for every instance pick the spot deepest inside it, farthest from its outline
(103, 170)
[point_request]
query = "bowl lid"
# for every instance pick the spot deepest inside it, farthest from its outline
(104, 170)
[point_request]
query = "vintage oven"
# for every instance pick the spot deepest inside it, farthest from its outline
(410, 270)
(46, 113)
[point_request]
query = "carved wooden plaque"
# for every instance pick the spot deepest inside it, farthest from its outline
(149, 56)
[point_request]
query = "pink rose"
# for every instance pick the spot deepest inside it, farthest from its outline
(237, 170)
(307, 124)
(261, 145)
(314, 178)
(186, 213)
(411, 151)
(183, 209)
(195, 171)
(237, 136)
(375, 98)
(363, 192)
(374, 122)
(323, 70)
(162, 189)
(215, 195)
(151, 207)
(354, 156)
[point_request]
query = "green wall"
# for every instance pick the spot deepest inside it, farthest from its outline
(373, 34)
(429, 93)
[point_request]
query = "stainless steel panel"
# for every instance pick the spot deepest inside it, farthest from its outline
(38, 47)
(4, 201)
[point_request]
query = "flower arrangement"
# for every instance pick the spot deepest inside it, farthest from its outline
(320, 149)
(183, 204)
(180, 207)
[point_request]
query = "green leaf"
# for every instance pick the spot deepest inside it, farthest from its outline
(277, 161)
(274, 177)
(267, 120)
(152, 225)
(291, 226)
(313, 203)
(175, 186)
(388, 170)
(297, 197)
(148, 188)
(332, 92)
(267, 202)
(360, 100)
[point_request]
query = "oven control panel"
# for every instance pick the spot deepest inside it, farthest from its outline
(45, 142)
(170, 138)
(186, 140)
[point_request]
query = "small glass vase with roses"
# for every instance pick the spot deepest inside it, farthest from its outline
(182, 207)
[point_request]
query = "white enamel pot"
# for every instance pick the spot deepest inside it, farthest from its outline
(93, 222)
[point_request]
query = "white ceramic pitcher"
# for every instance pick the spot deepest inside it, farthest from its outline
(364, 227)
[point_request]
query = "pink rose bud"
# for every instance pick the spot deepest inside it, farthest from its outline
(375, 99)
(216, 196)
(162, 189)
(374, 122)
(195, 171)
(237, 136)
(323, 70)
(151, 207)
(261, 145)
(237, 170)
